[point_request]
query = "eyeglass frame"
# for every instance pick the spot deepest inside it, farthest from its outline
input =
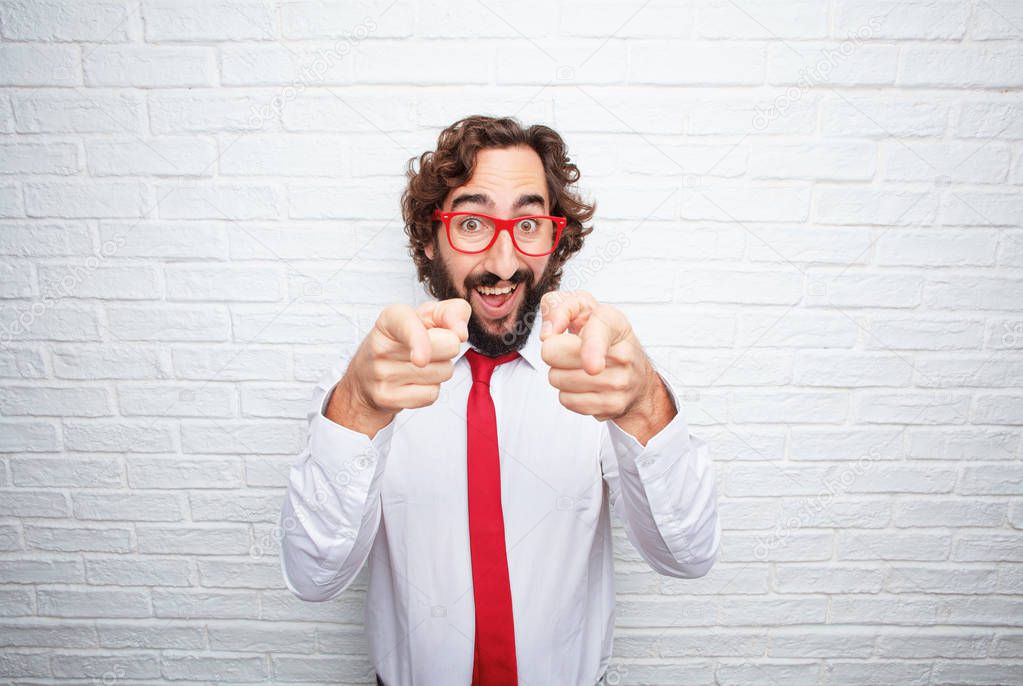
(499, 226)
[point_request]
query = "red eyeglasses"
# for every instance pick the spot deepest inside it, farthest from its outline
(472, 232)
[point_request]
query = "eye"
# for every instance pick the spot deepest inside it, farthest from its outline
(470, 224)
(528, 225)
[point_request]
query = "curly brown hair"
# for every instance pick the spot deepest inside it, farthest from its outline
(451, 165)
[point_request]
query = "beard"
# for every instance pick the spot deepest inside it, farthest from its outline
(495, 344)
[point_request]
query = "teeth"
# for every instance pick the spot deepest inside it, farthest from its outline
(495, 291)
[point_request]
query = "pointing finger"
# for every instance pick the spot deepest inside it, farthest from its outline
(596, 338)
(562, 351)
(402, 324)
(562, 311)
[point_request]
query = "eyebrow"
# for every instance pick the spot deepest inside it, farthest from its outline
(525, 200)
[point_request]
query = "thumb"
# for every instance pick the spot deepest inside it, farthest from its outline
(452, 314)
(400, 323)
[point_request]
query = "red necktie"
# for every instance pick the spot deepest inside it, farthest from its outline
(494, 654)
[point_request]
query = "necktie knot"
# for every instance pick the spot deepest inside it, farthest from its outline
(483, 365)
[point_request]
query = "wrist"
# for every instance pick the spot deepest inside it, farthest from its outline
(351, 408)
(650, 411)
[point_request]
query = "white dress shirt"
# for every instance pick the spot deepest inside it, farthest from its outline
(399, 499)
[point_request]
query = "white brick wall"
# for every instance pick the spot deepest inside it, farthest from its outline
(811, 210)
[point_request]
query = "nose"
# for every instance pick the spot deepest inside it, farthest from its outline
(502, 258)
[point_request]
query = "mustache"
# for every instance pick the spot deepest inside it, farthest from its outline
(489, 279)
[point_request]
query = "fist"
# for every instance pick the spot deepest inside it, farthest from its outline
(404, 359)
(596, 361)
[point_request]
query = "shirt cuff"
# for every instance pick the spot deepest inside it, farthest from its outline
(348, 457)
(663, 447)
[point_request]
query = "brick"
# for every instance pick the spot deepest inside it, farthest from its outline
(340, 201)
(93, 21)
(957, 162)
(28, 436)
(275, 402)
(975, 293)
(961, 67)
(833, 368)
(109, 361)
(111, 436)
(106, 282)
(66, 111)
(77, 472)
(237, 284)
(975, 208)
(838, 161)
(290, 155)
(243, 363)
(754, 204)
(193, 539)
(696, 63)
(199, 20)
(882, 117)
(184, 112)
(78, 539)
(219, 201)
(167, 240)
(75, 199)
(962, 444)
(814, 64)
(990, 120)
(297, 324)
(44, 238)
(423, 63)
(164, 156)
(208, 323)
(763, 19)
(378, 19)
(948, 512)
(21, 363)
(912, 408)
(227, 436)
(283, 65)
(885, 19)
(362, 110)
(854, 205)
(465, 19)
(103, 666)
(924, 248)
(93, 603)
(518, 62)
(863, 289)
(55, 401)
(150, 66)
(780, 288)
(176, 401)
(39, 158)
(151, 506)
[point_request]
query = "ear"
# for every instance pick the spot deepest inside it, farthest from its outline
(428, 249)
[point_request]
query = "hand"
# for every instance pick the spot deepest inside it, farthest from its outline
(596, 361)
(400, 364)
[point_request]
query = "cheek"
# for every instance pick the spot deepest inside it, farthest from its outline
(538, 265)
(461, 266)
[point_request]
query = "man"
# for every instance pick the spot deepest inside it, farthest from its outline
(473, 456)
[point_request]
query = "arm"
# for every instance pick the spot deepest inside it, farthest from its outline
(665, 495)
(331, 512)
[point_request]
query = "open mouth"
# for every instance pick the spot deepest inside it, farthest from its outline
(497, 301)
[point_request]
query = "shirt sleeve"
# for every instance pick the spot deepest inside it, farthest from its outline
(331, 512)
(665, 495)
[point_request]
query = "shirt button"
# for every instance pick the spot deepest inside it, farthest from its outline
(646, 461)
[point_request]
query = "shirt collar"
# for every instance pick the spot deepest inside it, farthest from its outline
(530, 352)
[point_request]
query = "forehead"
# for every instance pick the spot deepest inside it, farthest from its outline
(504, 173)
